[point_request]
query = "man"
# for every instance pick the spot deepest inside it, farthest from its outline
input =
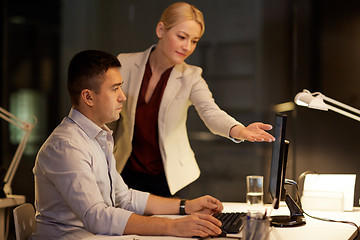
(78, 191)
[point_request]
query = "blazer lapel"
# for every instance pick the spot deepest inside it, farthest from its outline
(137, 73)
(172, 87)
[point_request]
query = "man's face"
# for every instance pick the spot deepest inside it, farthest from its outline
(109, 100)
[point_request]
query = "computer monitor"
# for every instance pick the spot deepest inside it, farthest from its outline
(277, 178)
(278, 164)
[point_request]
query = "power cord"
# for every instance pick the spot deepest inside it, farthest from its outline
(319, 218)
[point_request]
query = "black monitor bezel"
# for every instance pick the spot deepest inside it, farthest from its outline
(278, 164)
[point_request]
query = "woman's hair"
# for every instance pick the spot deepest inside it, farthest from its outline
(179, 12)
(87, 70)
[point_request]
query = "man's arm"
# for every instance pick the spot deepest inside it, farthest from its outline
(200, 223)
(161, 205)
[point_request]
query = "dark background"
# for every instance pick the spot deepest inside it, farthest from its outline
(255, 54)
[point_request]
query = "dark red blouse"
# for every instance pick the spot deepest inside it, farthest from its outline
(146, 156)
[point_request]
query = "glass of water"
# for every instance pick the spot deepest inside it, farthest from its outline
(255, 191)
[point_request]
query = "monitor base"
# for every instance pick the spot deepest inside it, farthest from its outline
(287, 221)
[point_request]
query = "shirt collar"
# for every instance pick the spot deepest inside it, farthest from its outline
(88, 126)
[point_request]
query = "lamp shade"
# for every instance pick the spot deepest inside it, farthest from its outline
(315, 100)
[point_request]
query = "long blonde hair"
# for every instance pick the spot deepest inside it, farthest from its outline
(179, 12)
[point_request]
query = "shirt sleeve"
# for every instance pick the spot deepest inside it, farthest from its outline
(129, 199)
(68, 167)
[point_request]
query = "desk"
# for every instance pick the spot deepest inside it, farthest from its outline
(10, 201)
(312, 230)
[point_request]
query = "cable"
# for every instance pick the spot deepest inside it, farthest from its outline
(331, 220)
(319, 218)
(303, 175)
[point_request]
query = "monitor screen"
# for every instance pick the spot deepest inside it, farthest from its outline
(277, 174)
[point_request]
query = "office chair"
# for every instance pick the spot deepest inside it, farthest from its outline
(25, 223)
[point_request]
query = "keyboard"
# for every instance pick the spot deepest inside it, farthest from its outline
(231, 221)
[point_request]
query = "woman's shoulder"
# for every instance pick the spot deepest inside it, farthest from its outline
(133, 55)
(129, 56)
(189, 69)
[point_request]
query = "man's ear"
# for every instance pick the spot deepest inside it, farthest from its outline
(160, 29)
(87, 97)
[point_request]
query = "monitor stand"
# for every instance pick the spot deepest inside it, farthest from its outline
(296, 217)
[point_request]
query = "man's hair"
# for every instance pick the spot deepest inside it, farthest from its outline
(87, 70)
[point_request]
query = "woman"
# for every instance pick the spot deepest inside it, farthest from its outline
(152, 147)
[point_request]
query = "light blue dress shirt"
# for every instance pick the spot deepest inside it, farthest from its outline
(77, 188)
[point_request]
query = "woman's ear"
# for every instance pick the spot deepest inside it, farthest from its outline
(160, 29)
(87, 97)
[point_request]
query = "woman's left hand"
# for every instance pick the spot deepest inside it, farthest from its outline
(255, 132)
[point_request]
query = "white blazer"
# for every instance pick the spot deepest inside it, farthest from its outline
(185, 87)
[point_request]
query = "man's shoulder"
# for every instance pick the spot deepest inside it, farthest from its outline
(66, 132)
(67, 137)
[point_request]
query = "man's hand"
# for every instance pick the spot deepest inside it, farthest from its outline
(197, 224)
(205, 204)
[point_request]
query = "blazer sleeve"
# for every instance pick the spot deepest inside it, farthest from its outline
(216, 120)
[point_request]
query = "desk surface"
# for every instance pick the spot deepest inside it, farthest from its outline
(312, 230)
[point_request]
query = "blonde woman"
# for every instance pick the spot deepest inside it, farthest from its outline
(152, 149)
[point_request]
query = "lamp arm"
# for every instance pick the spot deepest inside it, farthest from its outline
(350, 115)
(10, 120)
(357, 111)
(14, 164)
(27, 127)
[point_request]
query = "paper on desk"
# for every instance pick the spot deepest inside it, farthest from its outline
(341, 183)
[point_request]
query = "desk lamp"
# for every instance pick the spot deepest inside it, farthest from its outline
(316, 101)
(5, 185)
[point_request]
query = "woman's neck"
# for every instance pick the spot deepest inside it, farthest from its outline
(158, 61)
